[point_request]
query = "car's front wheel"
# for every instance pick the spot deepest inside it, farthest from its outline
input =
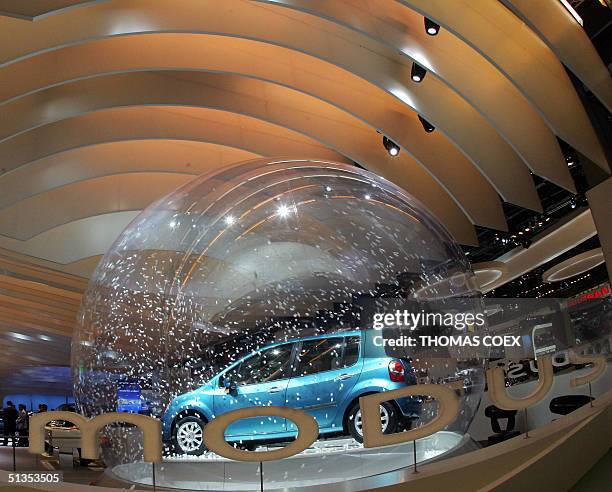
(388, 420)
(189, 435)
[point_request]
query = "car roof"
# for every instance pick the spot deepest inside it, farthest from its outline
(351, 333)
(315, 337)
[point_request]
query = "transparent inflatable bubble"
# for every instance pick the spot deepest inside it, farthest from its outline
(287, 260)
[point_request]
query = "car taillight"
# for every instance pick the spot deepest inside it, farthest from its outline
(396, 371)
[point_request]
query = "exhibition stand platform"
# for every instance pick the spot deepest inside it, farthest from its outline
(327, 462)
(553, 457)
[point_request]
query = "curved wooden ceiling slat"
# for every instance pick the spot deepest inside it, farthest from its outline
(22, 289)
(39, 276)
(569, 41)
(459, 66)
(20, 318)
(134, 156)
(73, 241)
(34, 10)
(252, 97)
(84, 267)
(307, 74)
(446, 109)
(518, 52)
(58, 312)
(244, 96)
(118, 193)
(216, 127)
(188, 123)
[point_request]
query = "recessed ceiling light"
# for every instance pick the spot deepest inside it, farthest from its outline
(392, 148)
(431, 27)
(427, 126)
(417, 72)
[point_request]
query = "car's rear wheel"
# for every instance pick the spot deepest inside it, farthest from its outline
(189, 435)
(388, 420)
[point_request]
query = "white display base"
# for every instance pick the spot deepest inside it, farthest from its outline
(330, 461)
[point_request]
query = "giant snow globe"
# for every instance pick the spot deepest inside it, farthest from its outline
(267, 283)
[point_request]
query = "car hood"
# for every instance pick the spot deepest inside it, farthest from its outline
(194, 396)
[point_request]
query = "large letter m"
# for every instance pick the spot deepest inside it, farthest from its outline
(150, 427)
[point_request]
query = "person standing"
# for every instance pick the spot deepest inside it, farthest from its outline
(22, 425)
(9, 416)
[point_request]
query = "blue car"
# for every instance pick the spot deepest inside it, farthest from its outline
(322, 375)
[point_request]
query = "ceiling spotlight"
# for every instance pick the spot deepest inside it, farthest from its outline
(283, 210)
(391, 146)
(229, 220)
(431, 27)
(427, 126)
(417, 73)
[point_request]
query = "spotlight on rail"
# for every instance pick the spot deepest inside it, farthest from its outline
(391, 146)
(431, 27)
(417, 73)
(427, 126)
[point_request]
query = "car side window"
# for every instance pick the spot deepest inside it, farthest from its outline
(233, 375)
(319, 356)
(351, 351)
(265, 366)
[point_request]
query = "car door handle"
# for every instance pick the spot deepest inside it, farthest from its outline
(275, 389)
(342, 377)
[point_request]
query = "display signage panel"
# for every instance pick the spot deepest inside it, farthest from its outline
(129, 397)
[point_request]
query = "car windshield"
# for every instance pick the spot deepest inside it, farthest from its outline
(268, 365)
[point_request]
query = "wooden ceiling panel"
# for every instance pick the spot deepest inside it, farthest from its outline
(37, 9)
(491, 29)
(451, 114)
(569, 41)
(279, 105)
(178, 122)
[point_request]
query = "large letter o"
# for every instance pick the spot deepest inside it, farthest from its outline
(214, 433)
